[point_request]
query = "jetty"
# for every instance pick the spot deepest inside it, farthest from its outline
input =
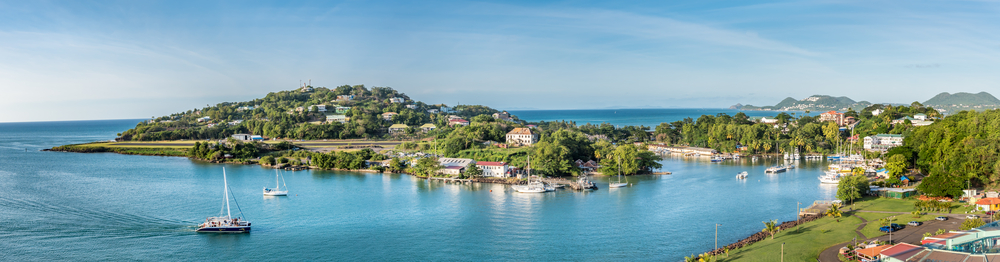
(818, 208)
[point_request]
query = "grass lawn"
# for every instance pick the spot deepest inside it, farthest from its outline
(884, 204)
(804, 244)
(871, 229)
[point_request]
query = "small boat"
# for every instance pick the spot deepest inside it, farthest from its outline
(557, 185)
(225, 224)
(277, 190)
(775, 169)
(830, 178)
(619, 184)
(742, 175)
(716, 159)
(532, 186)
(585, 183)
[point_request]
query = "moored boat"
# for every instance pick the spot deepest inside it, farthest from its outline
(225, 224)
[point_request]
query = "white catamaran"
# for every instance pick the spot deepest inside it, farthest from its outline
(277, 190)
(226, 224)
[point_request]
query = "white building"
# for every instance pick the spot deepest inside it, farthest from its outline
(493, 169)
(321, 108)
(336, 118)
(521, 136)
(453, 166)
(882, 142)
(396, 100)
(876, 112)
(411, 106)
(389, 115)
(921, 117)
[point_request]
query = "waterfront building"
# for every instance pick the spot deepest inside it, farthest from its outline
(453, 166)
(521, 136)
(832, 116)
(882, 142)
(397, 129)
(493, 169)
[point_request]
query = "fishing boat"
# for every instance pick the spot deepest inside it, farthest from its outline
(716, 159)
(225, 224)
(742, 175)
(277, 190)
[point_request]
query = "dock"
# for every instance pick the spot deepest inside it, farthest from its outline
(818, 207)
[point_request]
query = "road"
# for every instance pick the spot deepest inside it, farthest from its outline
(909, 234)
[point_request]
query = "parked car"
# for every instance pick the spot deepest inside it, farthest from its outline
(941, 218)
(991, 212)
(972, 217)
(915, 223)
(891, 228)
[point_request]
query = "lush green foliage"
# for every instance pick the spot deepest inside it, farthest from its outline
(971, 223)
(963, 146)
(218, 151)
(852, 187)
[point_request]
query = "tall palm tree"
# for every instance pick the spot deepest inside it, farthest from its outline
(771, 227)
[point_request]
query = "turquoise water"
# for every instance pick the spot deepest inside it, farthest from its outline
(633, 117)
(72, 206)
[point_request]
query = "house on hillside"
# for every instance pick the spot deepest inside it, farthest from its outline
(832, 116)
(504, 116)
(411, 107)
(204, 119)
(396, 100)
(428, 127)
(493, 169)
(320, 108)
(345, 97)
(389, 115)
(336, 118)
(341, 109)
(433, 111)
(877, 112)
(397, 129)
(764, 119)
(522, 136)
(458, 122)
(921, 117)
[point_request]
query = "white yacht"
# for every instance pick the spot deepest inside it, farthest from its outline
(277, 190)
(532, 186)
(830, 178)
(225, 224)
(742, 175)
(620, 184)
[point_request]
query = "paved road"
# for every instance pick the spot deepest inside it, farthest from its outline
(910, 234)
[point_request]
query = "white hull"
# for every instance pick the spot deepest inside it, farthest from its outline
(525, 189)
(613, 185)
(275, 193)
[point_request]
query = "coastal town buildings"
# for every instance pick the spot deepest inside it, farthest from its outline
(522, 136)
(966, 245)
(882, 142)
(832, 116)
(493, 169)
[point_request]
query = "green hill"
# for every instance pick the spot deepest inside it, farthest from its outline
(306, 113)
(968, 99)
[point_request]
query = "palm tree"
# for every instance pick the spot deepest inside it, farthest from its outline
(771, 227)
(834, 211)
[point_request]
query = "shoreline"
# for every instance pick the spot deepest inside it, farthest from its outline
(760, 236)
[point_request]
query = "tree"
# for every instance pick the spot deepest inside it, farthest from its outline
(896, 166)
(623, 159)
(771, 227)
(267, 160)
(427, 166)
(852, 187)
(396, 165)
(473, 171)
(971, 223)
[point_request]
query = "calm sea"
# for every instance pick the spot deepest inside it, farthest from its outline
(72, 206)
(633, 117)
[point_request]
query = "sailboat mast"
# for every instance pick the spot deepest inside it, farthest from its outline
(226, 190)
(276, 183)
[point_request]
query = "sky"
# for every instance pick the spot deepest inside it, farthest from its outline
(83, 60)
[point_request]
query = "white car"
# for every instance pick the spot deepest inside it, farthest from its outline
(942, 218)
(972, 217)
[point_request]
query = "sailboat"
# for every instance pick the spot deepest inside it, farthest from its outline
(532, 186)
(277, 190)
(225, 224)
(619, 184)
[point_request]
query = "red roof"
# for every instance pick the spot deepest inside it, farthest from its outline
(902, 251)
(988, 201)
(485, 163)
(872, 252)
(832, 112)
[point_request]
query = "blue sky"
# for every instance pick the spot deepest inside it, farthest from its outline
(77, 60)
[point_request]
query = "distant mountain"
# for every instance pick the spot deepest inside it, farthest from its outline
(948, 100)
(813, 103)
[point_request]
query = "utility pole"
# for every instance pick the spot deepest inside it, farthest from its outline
(782, 251)
(797, 212)
(716, 236)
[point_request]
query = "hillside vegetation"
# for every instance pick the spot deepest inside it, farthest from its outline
(295, 114)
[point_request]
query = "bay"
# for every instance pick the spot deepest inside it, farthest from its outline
(103, 206)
